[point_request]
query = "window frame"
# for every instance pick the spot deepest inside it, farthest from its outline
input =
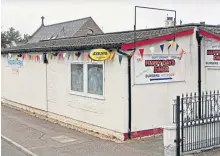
(85, 80)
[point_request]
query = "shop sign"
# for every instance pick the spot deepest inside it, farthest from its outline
(212, 58)
(99, 54)
(159, 69)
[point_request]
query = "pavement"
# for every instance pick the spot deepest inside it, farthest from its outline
(44, 138)
(9, 150)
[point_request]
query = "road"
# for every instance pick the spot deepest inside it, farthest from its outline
(8, 150)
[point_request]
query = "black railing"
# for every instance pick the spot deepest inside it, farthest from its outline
(194, 109)
(198, 120)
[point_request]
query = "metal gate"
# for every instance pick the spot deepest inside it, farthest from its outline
(198, 121)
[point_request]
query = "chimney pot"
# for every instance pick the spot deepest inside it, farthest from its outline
(42, 20)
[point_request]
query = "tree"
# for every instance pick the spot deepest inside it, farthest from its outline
(4, 39)
(13, 35)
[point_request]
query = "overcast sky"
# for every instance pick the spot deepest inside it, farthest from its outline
(110, 15)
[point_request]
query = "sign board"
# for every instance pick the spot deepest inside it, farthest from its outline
(212, 58)
(159, 69)
(15, 64)
(99, 54)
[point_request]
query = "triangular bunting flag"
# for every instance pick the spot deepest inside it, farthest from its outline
(60, 55)
(40, 57)
(47, 55)
(69, 54)
(77, 54)
(64, 55)
(161, 47)
(86, 58)
(141, 52)
(120, 58)
(177, 46)
(132, 53)
(112, 55)
(181, 53)
(171, 43)
(169, 47)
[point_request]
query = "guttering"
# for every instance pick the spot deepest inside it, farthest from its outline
(129, 90)
(199, 40)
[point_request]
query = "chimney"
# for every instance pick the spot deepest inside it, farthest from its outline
(42, 21)
(169, 22)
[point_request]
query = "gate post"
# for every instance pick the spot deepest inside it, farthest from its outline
(177, 126)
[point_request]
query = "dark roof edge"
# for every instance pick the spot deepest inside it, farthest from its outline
(68, 21)
(62, 48)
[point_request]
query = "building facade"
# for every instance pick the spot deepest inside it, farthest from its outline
(58, 79)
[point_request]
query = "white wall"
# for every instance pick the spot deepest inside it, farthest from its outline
(28, 86)
(152, 103)
(110, 113)
(211, 74)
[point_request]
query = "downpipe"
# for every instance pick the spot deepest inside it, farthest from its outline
(129, 91)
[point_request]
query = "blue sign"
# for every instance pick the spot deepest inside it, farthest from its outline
(15, 63)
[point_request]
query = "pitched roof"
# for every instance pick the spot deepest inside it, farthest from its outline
(58, 30)
(213, 30)
(110, 40)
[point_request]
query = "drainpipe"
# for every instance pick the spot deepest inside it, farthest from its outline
(129, 91)
(199, 39)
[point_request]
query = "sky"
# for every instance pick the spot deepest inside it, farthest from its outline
(110, 15)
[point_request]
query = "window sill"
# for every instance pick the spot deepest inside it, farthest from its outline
(93, 96)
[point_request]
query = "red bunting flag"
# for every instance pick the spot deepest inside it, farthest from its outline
(141, 52)
(182, 52)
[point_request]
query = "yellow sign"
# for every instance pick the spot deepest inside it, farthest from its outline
(99, 54)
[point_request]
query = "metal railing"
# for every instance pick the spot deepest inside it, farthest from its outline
(198, 120)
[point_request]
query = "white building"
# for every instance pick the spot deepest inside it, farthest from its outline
(94, 95)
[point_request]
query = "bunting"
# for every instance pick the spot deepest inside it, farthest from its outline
(177, 46)
(141, 52)
(161, 47)
(64, 55)
(69, 54)
(86, 57)
(171, 43)
(132, 53)
(60, 55)
(169, 47)
(77, 54)
(120, 58)
(112, 55)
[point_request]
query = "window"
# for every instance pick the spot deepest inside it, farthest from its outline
(87, 79)
(77, 77)
(95, 79)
